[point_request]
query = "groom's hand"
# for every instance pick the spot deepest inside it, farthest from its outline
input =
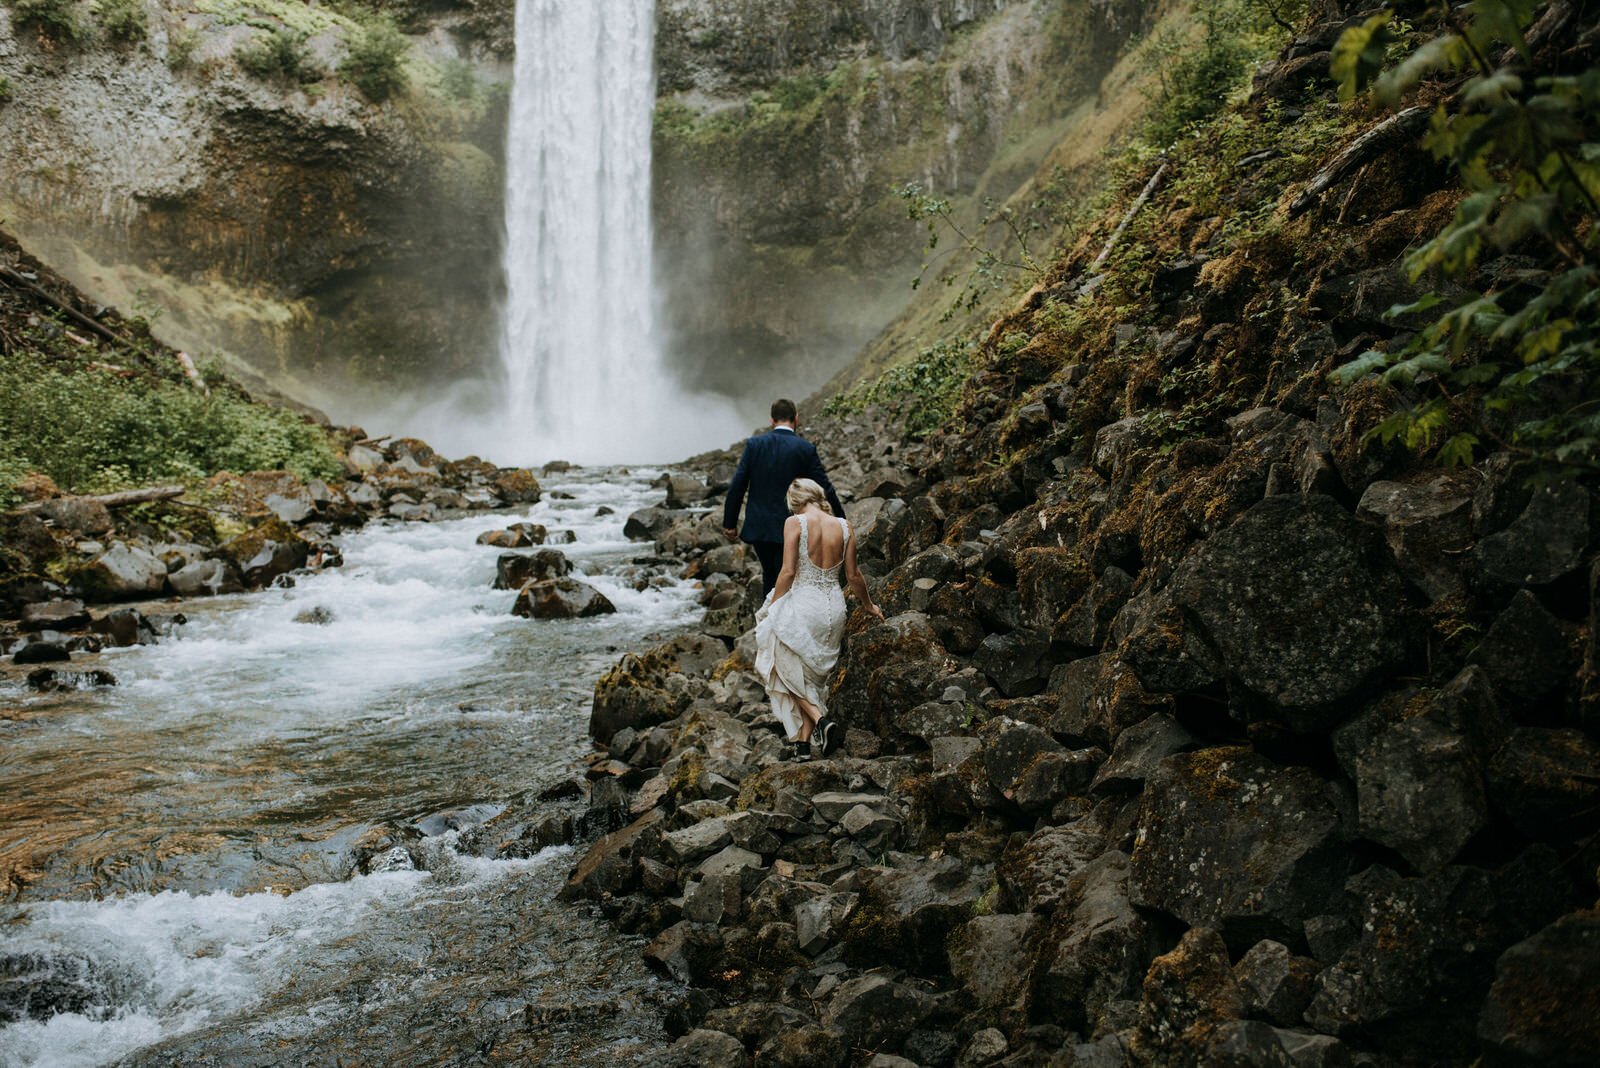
(730, 533)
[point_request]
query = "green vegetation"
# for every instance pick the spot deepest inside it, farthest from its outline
(57, 18)
(6, 89)
(921, 392)
(1510, 355)
(181, 45)
(93, 429)
(280, 54)
(459, 80)
(373, 63)
(123, 20)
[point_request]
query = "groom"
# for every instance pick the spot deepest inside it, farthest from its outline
(770, 462)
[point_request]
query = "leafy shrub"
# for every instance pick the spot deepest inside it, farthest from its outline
(123, 20)
(1510, 358)
(181, 45)
(923, 392)
(459, 80)
(6, 89)
(89, 430)
(280, 54)
(373, 63)
(58, 18)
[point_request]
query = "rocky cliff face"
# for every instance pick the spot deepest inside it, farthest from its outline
(784, 128)
(286, 219)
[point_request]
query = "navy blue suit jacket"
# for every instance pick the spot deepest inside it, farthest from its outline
(770, 462)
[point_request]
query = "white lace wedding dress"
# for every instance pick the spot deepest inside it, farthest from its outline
(798, 636)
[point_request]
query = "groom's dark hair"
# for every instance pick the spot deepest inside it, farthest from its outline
(783, 411)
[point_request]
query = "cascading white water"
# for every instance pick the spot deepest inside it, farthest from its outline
(585, 375)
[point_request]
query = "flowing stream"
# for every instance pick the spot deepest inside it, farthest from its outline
(174, 851)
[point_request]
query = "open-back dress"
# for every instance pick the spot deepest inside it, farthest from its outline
(798, 636)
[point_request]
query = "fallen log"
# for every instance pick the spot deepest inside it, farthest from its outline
(16, 280)
(1392, 131)
(1116, 235)
(119, 499)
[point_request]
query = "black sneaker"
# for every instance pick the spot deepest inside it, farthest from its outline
(832, 735)
(800, 751)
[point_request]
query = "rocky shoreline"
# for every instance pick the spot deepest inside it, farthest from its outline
(1241, 801)
(80, 576)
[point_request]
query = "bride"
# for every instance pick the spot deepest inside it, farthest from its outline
(799, 628)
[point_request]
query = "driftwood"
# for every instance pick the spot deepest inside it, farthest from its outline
(1392, 131)
(1127, 219)
(121, 498)
(14, 279)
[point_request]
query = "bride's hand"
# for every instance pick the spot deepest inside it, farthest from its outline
(874, 610)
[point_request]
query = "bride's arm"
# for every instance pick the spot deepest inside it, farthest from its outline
(791, 557)
(858, 581)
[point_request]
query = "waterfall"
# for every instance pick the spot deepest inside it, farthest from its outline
(584, 371)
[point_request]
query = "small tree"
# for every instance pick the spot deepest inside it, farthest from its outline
(280, 54)
(123, 20)
(57, 18)
(373, 63)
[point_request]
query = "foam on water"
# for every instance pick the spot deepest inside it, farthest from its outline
(165, 964)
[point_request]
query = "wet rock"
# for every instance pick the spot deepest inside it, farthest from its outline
(205, 578)
(1188, 995)
(38, 651)
(984, 954)
(562, 598)
(515, 485)
(515, 570)
(1230, 840)
(1302, 607)
(83, 516)
(1116, 443)
(1547, 781)
(873, 1012)
(1096, 949)
(919, 526)
(1275, 985)
(516, 536)
(260, 555)
(54, 615)
(123, 627)
(702, 1048)
(122, 572)
(1018, 663)
(685, 491)
(647, 524)
(1544, 1006)
(685, 952)
(1543, 544)
(1139, 752)
(1527, 652)
(316, 616)
(1035, 875)
(1426, 528)
(50, 680)
(608, 866)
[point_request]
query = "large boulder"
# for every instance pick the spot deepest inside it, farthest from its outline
(686, 491)
(984, 953)
(1543, 544)
(515, 570)
(1543, 1010)
(1095, 950)
(262, 554)
(634, 693)
(54, 615)
(1230, 840)
(122, 572)
(1426, 528)
(1190, 997)
(1527, 651)
(205, 578)
(874, 1012)
(886, 670)
(516, 485)
(83, 516)
(1420, 790)
(906, 914)
(561, 598)
(1301, 602)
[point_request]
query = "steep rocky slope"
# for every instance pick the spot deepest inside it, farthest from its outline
(1206, 728)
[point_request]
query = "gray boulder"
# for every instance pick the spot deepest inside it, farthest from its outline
(1544, 543)
(1543, 1010)
(515, 570)
(561, 598)
(54, 615)
(1303, 606)
(83, 516)
(873, 1012)
(123, 572)
(984, 956)
(1232, 841)
(1420, 791)
(1426, 528)
(205, 578)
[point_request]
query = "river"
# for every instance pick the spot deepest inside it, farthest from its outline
(175, 850)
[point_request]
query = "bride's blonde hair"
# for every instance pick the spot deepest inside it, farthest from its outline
(803, 491)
